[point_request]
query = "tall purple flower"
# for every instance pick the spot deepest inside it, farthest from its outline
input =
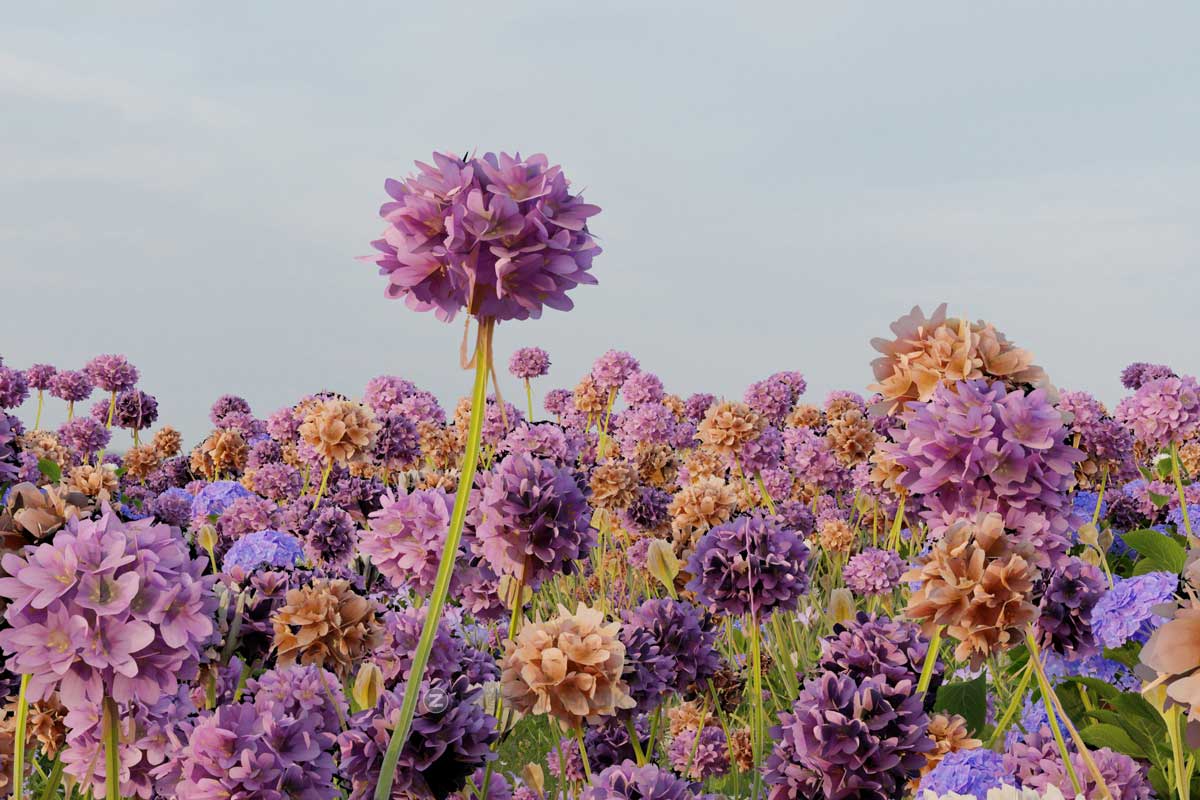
(531, 519)
(74, 386)
(112, 373)
(750, 564)
(385, 392)
(628, 781)
(642, 387)
(528, 363)
(874, 571)
(85, 435)
(684, 638)
(40, 376)
(1139, 372)
(498, 236)
(1163, 411)
(612, 369)
(871, 645)
(405, 537)
(13, 387)
(135, 410)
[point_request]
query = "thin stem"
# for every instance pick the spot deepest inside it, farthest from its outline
(587, 768)
(324, 483)
(37, 419)
(53, 779)
(1011, 711)
(759, 713)
(1182, 785)
(112, 753)
(931, 657)
(636, 741)
(19, 741)
(1177, 474)
(112, 407)
(529, 399)
(437, 601)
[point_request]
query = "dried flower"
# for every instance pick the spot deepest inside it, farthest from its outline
(339, 430)
(325, 623)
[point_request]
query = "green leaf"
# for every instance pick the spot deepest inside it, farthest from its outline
(1157, 548)
(50, 469)
(966, 698)
(1104, 735)
(1159, 500)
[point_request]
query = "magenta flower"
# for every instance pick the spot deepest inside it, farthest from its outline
(112, 373)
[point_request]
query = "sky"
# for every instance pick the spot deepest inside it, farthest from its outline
(190, 184)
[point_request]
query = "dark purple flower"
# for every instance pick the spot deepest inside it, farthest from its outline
(135, 410)
(112, 373)
(173, 506)
(1064, 623)
(683, 635)
(648, 512)
(397, 444)
(227, 404)
(330, 539)
(749, 565)
(871, 645)
(84, 435)
(13, 387)
(74, 386)
(40, 376)
(628, 781)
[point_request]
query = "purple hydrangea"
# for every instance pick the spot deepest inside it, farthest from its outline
(531, 517)
(227, 404)
(608, 743)
(111, 372)
(628, 781)
(1163, 411)
(135, 410)
(874, 571)
(848, 739)
(558, 402)
(329, 537)
(74, 386)
(40, 376)
(498, 236)
(397, 444)
(749, 565)
(278, 482)
(217, 496)
(405, 537)
(683, 635)
(652, 423)
(697, 405)
(13, 387)
(264, 549)
(173, 506)
(611, 370)
(75, 626)
(9, 470)
(1064, 623)
(528, 363)
(776, 396)
(808, 455)
(763, 453)
(85, 436)
(642, 387)
(649, 510)
(1037, 763)
(871, 645)
(706, 758)
(1139, 372)
(544, 440)
(969, 772)
(385, 392)
(980, 447)
(422, 406)
(1126, 611)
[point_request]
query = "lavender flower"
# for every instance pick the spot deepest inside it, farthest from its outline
(217, 496)
(969, 772)
(40, 376)
(642, 387)
(227, 404)
(528, 363)
(405, 538)
(13, 387)
(1163, 411)
(173, 506)
(749, 565)
(873, 571)
(628, 781)
(1139, 372)
(1126, 611)
(611, 370)
(264, 549)
(84, 435)
(776, 396)
(112, 373)
(385, 392)
(708, 757)
(72, 385)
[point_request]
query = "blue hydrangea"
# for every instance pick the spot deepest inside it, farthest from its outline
(1175, 515)
(1033, 719)
(1126, 611)
(1084, 503)
(264, 548)
(216, 497)
(1105, 669)
(970, 772)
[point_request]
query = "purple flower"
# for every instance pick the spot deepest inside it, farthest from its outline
(1163, 411)
(531, 517)
(642, 387)
(970, 772)
(264, 549)
(980, 447)
(421, 407)
(697, 405)
(648, 512)
(873, 572)
(628, 781)
(330, 536)
(683, 636)
(13, 387)
(278, 482)
(385, 392)
(558, 402)
(74, 386)
(40, 376)
(612, 369)
(1126, 611)
(405, 538)
(217, 496)
(776, 396)
(707, 758)
(227, 404)
(498, 236)
(749, 565)
(173, 506)
(848, 739)
(84, 435)
(871, 645)
(135, 410)
(112, 373)
(397, 444)
(528, 363)
(1139, 372)
(1064, 621)
(247, 514)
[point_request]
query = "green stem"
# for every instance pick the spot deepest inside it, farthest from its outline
(1176, 473)
(437, 601)
(37, 419)
(324, 483)
(112, 407)
(112, 753)
(529, 399)
(53, 779)
(587, 768)
(637, 743)
(1011, 711)
(19, 742)
(759, 713)
(1182, 785)
(931, 657)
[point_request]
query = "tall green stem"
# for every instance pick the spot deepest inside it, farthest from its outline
(19, 742)
(112, 752)
(324, 483)
(437, 601)
(931, 657)
(1176, 473)
(759, 713)
(37, 419)
(529, 399)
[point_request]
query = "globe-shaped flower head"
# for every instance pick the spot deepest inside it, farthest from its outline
(749, 564)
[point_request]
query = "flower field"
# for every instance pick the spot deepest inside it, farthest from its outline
(963, 581)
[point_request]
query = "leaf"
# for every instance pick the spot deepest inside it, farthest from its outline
(966, 698)
(1103, 735)
(50, 469)
(1158, 548)
(1159, 500)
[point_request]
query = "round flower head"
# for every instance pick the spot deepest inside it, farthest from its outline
(112, 373)
(528, 363)
(84, 435)
(707, 757)
(405, 537)
(1163, 411)
(339, 431)
(611, 370)
(749, 565)
(642, 387)
(227, 404)
(1064, 623)
(532, 519)
(569, 667)
(74, 386)
(628, 781)
(683, 637)
(873, 572)
(775, 397)
(173, 506)
(385, 392)
(498, 236)
(264, 549)
(870, 645)
(557, 402)
(1127, 610)
(215, 497)
(1139, 372)
(40, 376)
(330, 536)
(13, 387)
(971, 772)
(398, 444)
(848, 739)
(135, 410)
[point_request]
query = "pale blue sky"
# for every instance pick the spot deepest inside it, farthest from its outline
(190, 183)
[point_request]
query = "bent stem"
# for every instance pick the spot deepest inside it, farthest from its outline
(441, 588)
(19, 741)
(112, 754)
(324, 484)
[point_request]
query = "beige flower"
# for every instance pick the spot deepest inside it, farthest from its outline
(684, 717)
(341, 431)
(655, 464)
(703, 463)
(836, 536)
(224, 451)
(569, 667)
(851, 437)
(96, 482)
(949, 733)
(167, 442)
(701, 505)
(325, 623)
(727, 426)
(33, 513)
(614, 485)
(806, 416)
(140, 461)
(1189, 458)
(588, 398)
(741, 749)
(975, 585)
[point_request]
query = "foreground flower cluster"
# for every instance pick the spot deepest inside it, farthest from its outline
(969, 584)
